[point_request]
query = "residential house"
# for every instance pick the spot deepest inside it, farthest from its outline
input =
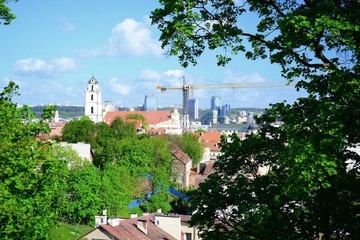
(211, 141)
(181, 164)
(151, 226)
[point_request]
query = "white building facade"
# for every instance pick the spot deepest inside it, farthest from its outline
(93, 101)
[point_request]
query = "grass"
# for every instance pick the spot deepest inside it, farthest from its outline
(66, 231)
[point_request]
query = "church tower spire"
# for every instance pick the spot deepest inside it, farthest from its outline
(93, 101)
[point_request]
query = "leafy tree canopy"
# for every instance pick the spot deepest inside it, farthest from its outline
(5, 13)
(30, 177)
(308, 189)
(190, 144)
(82, 130)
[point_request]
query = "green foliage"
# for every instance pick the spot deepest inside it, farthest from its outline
(190, 144)
(5, 13)
(118, 189)
(123, 129)
(84, 198)
(82, 130)
(309, 189)
(68, 155)
(137, 116)
(67, 231)
(30, 178)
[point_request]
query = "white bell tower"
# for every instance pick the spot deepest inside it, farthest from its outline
(93, 102)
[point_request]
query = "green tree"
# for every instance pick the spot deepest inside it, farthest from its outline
(30, 178)
(123, 129)
(118, 189)
(5, 13)
(309, 188)
(83, 199)
(190, 144)
(82, 130)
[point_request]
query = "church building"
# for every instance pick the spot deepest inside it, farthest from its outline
(93, 101)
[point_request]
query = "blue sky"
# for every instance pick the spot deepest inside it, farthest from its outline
(54, 47)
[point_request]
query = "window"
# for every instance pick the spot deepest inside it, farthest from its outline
(92, 97)
(92, 110)
(187, 236)
(92, 87)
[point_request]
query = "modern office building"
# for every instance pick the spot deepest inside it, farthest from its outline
(225, 110)
(150, 102)
(193, 106)
(215, 103)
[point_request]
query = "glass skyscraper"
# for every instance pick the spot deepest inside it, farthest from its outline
(193, 106)
(215, 103)
(150, 102)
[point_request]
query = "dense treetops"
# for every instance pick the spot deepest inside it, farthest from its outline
(309, 189)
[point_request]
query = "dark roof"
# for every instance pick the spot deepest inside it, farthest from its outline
(93, 80)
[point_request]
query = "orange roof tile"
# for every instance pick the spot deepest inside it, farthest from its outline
(152, 117)
(211, 139)
(178, 153)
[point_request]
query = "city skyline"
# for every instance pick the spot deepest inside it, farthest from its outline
(53, 48)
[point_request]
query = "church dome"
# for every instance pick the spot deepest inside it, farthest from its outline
(93, 80)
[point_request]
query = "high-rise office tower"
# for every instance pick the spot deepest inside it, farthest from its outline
(150, 102)
(193, 106)
(215, 103)
(225, 110)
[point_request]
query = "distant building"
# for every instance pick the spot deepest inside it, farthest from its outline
(215, 103)
(210, 118)
(250, 118)
(150, 102)
(193, 106)
(223, 119)
(93, 101)
(108, 106)
(159, 122)
(225, 110)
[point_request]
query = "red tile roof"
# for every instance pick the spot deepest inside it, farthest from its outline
(56, 128)
(152, 117)
(211, 139)
(178, 153)
(127, 229)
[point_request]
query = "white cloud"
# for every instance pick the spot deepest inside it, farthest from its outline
(148, 74)
(66, 25)
(174, 73)
(130, 38)
(39, 66)
(118, 87)
(232, 77)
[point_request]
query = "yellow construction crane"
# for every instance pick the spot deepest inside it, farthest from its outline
(186, 88)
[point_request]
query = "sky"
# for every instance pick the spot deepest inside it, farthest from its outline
(54, 47)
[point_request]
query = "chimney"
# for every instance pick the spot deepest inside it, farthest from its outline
(101, 218)
(133, 215)
(142, 225)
